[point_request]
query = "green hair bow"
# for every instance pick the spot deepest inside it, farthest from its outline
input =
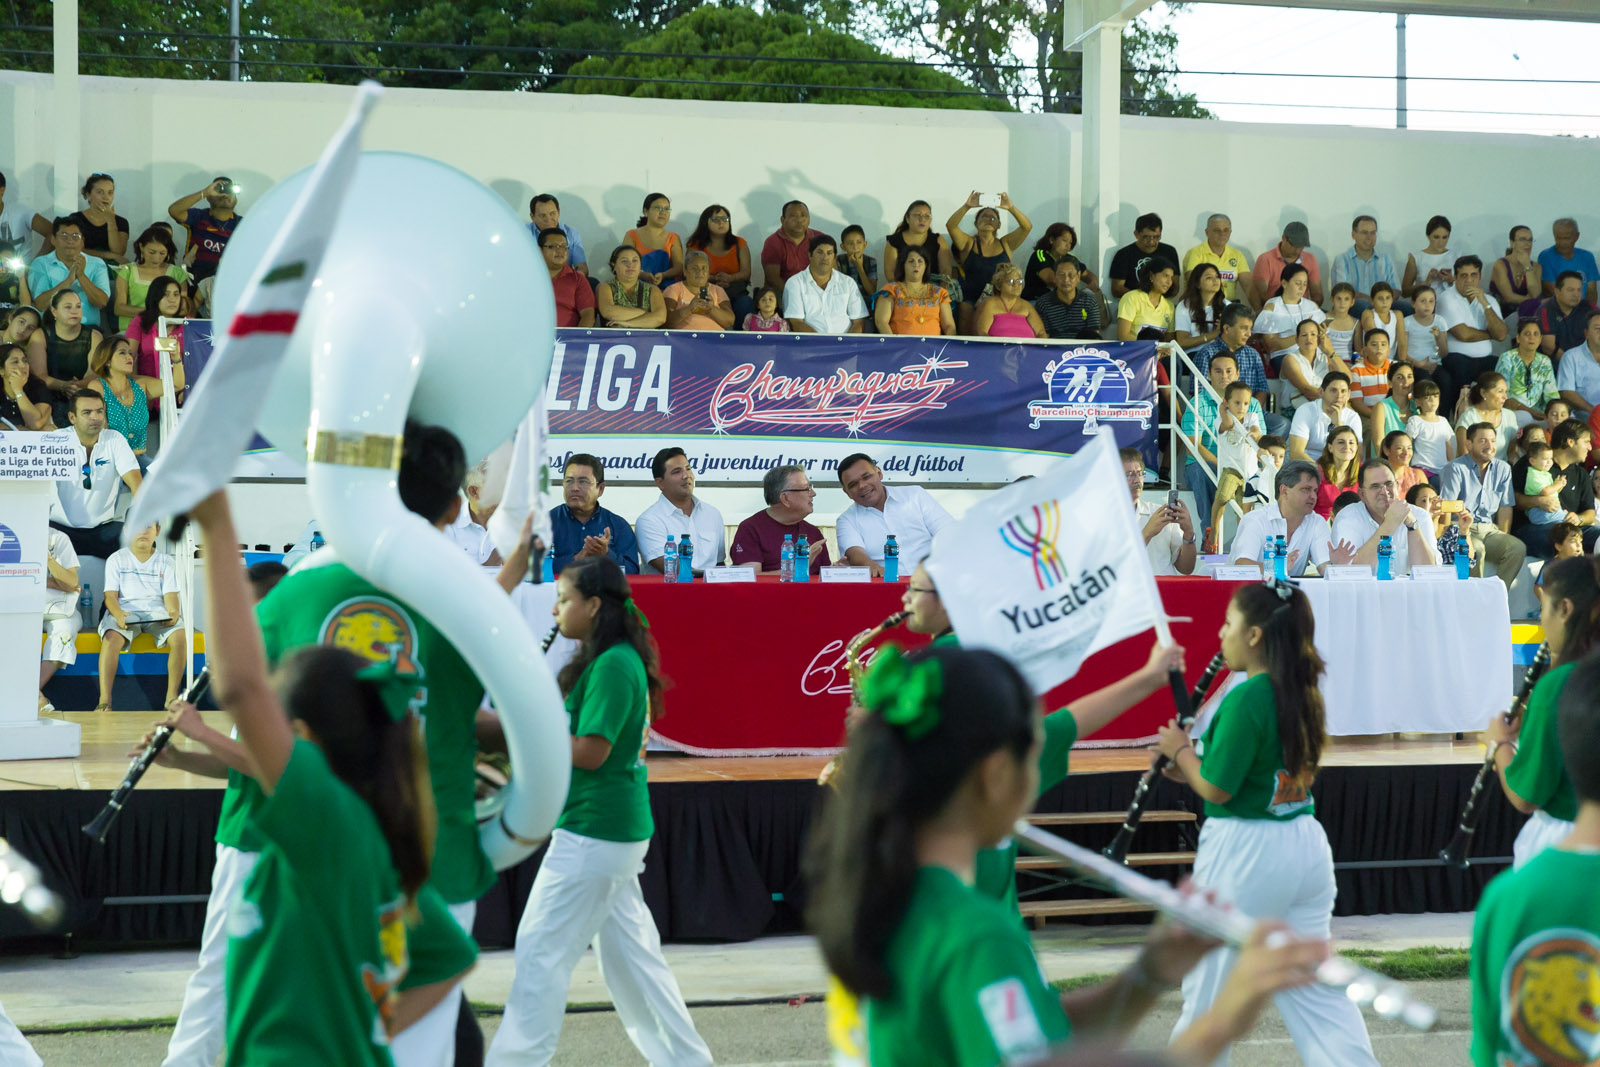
(905, 694)
(396, 688)
(632, 608)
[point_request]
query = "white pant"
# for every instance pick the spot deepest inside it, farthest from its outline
(14, 1048)
(1537, 834)
(588, 890)
(431, 1040)
(62, 644)
(198, 1037)
(1284, 871)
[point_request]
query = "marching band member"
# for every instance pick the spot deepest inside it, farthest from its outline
(1261, 849)
(942, 765)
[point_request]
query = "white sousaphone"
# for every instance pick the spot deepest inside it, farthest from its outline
(430, 303)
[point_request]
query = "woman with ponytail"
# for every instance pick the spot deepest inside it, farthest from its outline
(940, 766)
(1529, 759)
(587, 889)
(1261, 848)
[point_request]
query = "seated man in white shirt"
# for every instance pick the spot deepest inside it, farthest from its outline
(679, 512)
(820, 299)
(141, 598)
(1167, 529)
(1383, 512)
(909, 512)
(469, 531)
(61, 617)
(1308, 432)
(1294, 518)
(85, 506)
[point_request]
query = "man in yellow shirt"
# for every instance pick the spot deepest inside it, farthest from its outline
(1233, 264)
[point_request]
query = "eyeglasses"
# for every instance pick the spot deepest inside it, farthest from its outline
(556, 248)
(920, 589)
(87, 484)
(69, 237)
(1133, 477)
(799, 489)
(718, 218)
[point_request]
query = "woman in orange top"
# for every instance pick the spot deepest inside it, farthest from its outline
(660, 251)
(728, 255)
(914, 305)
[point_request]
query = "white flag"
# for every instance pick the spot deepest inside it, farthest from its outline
(1050, 570)
(527, 482)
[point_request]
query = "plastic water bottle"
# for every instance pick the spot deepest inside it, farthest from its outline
(669, 561)
(86, 606)
(1385, 554)
(316, 540)
(547, 569)
(1453, 550)
(802, 560)
(685, 559)
(786, 559)
(1280, 558)
(891, 560)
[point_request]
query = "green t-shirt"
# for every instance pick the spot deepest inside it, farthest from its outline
(996, 871)
(968, 991)
(1535, 967)
(1242, 754)
(317, 938)
(1536, 772)
(439, 948)
(332, 605)
(611, 700)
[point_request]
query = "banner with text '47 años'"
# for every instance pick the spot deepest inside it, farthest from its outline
(928, 409)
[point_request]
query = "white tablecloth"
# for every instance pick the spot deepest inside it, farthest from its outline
(1412, 657)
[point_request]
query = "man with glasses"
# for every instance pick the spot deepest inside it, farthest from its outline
(1167, 529)
(68, 268)
(790, 498)
(1383, 512)
(85, 506)
(581, 527)
(574, 297)
(1361, 265)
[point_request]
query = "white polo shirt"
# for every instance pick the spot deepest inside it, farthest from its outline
(829, 310)
(1457, 311)
(1355, 525)
(1164, 547)
(909, 512)
(110, 459)
(141, 585)
(1313, 423)
(664, 519)
(61, 601)
(470, 537)
(1310, 539)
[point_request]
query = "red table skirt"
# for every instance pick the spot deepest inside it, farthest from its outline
(759, 669)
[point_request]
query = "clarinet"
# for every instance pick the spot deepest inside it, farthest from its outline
(550, 638)
(1455, 853)
(100, 825)
(1117, 851)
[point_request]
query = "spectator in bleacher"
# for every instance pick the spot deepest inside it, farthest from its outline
(1426, 340)
(790, 498)
(1057, 243)
(1127, 266)
(1071, 310)
(1556, 412)
(68, 270)
(141, 597)
(1486, 403)
(1383, 315)
(1474, 326)
(729, 256)
(677, 512)
(1280, 318)
(1427, 498)
(767, 316)
(544, 211)
(1341, 324)
(787, 252)
(1391, 412)
(1168, 532)
(1238, 454)
(209, 228)
(697, 303)
(1431, 436)
(1232, 263)
(1397, 451)
(980, 253)
(14, 291)
(1385, 513)
(1145, 312)
(580, 527)
(1484, 486)
(1201, 421)
(660, 250)
(1197, 318)
(1292, 247)
(909, 512)
(1308, 430)
(1362, 264)
(629, 300)
(61, 618)
(154, 256)
(854, 263)
(912, 304)
(20, 226)
(1571, 490)
(1530, 379)
(575, 300)
(105, 233)
(1536, 462)
(24, 399)
(85, 505)
(820, 299)
(1004, 313)
(469, 530)
(1517, 280)
(1435, 265)
(1565, 255)
(1578, 373)
(164, 298)
(1338, 465)
(1233, 335)
(18, 324)
(1369, 375)
(1293, 517)
(127, 394)
(59, 352)
(1562, 317)
(1307, 365)
(916, 231)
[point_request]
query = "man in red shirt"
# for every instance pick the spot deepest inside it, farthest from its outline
(574, 297)
(759, 540)
(788, 252)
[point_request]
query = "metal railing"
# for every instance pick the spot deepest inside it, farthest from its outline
(1179, 367)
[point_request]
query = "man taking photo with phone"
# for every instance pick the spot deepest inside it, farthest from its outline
(209, 227)
(1167, 528)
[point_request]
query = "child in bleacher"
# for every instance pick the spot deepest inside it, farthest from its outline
(1341, 324)
(1238, 437)
(1541, 457)
(61, 618)
(765, 317)
(1433, 442)
(855, 264)
(1382, 316)
(1270, 452)
(1556, 412)
(141, 598)
(1369, 375)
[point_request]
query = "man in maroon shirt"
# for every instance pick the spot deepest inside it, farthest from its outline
(790, 498)
(788, 252)
(574, 298)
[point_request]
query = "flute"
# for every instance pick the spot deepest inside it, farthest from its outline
(100, 825)
(1117, 851)
(1384, 996)
(1454, 854)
